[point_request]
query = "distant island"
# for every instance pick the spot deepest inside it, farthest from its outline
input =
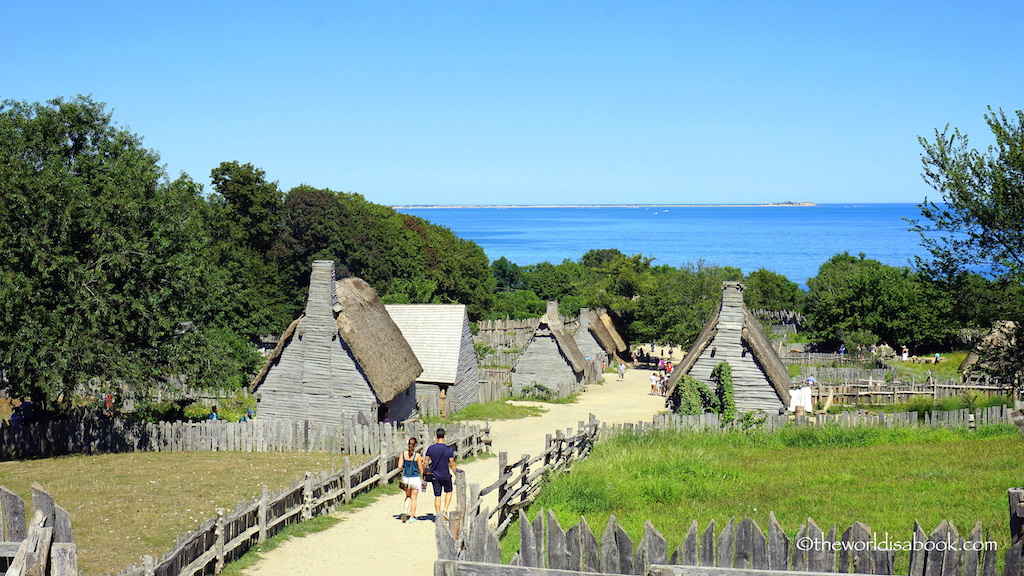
(437, 206)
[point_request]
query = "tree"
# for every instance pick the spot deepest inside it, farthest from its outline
(254, 293)
(766, 290)
(978, 226)
(854, 297)
(102, 259)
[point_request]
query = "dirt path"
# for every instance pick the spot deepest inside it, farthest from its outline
(373, 540)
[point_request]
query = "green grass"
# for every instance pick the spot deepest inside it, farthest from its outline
(488, 411)
(923, 404)
(948, 369)
(885, 478)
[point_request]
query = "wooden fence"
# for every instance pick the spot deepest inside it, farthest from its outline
(710, 422)
(97, 436)
(518, 482)
(228, 535)
(741, 548)
(46, 547)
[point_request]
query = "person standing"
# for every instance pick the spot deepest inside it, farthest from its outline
(214, 415)
(622, 370)
(412, 472)
(441, 467)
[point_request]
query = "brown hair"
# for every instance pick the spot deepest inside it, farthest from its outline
(412, 444)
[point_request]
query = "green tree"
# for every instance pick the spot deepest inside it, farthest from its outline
(507, 274)
(254, 294)
(102, 259)
(977, 226)
(854, 294)
(767, 290)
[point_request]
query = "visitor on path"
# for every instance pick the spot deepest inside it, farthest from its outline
(655, 383)
(214, 415)
(440, 468)
(249, 415)
(412, 471)
(622, 370)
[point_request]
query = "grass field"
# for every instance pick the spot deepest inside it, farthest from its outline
(884, 478)
(495, 410)
(123, 506)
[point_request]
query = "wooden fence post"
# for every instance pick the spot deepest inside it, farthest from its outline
(502, 488)
(1016, 497)
(307, 496)
(261, 515)
(346, 480)
(218, 533)
(382, 467)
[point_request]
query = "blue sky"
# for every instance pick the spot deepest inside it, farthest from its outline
(535, 102)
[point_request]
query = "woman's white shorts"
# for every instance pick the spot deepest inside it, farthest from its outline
(413, 482)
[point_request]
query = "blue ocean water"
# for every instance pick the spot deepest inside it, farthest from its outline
(789, 240)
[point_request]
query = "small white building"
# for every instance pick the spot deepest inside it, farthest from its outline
(440, 336)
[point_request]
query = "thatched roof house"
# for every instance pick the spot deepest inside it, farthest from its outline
(994, 353)
(344, 356)
(733, 335)
(597, 337)
(440, 337)
(551, 358)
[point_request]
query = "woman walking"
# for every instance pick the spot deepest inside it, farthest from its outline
(412, 473)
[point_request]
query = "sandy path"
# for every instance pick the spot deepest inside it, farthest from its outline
(373, 540)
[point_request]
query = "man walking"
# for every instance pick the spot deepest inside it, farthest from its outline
(441, 466)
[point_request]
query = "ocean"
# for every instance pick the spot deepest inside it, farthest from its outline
(790, 240)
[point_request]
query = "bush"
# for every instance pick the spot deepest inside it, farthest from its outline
(537, 392)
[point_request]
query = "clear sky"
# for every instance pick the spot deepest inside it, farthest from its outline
(535, 102)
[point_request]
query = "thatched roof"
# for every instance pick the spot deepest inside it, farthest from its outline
(382, 353)
(600, 332)
(374, 339)
(766, 356)
(986, 354)
(553, 321)
(756, 340)
(620, 344)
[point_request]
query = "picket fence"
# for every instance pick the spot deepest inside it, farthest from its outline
(740, 548)
(228, 535)
(103, 436)
(710, 422)
(46, 548)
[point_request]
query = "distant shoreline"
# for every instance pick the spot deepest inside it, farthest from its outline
(439, 206)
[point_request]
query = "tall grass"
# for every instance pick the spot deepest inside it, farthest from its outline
(885, 478)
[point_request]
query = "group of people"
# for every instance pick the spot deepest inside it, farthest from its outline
(659, 383)
(436, 467)
(215, 415)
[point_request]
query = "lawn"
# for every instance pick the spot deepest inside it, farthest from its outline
(495, 410)
(883, 478)
(123, 506)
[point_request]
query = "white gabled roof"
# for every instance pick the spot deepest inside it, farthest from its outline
(434, 331)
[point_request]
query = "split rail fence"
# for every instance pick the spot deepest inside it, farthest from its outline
(228, 535)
